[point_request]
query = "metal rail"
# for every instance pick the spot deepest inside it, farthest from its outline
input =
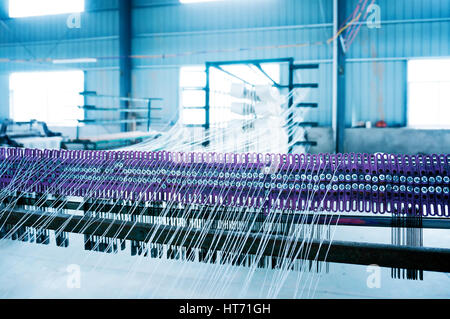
(428, 259)
(285, 218)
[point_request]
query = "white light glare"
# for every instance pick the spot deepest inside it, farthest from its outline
(195, 1)
(29, 8)
(80, 60)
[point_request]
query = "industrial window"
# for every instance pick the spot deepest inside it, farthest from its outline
(193, 81)
(192, 84)
(52, 97)
(225, 80)
(29, 8)
(429, 93)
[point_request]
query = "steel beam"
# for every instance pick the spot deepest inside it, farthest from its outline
(215, 213)
(423, 258)
(338, 120)
(125, 37)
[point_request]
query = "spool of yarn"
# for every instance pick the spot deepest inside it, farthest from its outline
(241, 108)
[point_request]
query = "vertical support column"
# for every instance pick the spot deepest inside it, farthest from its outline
(4, 77)
(207, 106)
(338, 121)
(207, 102)
(149, 114)
(85, 102)
(4, 10)
(125, 53)
(290, 119)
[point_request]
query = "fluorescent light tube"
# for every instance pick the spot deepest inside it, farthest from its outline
(80, 60)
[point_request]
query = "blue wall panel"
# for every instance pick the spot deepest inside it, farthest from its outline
(410, 28)
(376, 91)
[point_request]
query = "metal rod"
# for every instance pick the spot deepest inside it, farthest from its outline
(290, 117)
(107, 122)
(120, 98)
(267, 75)
(149, 106)
(428, 259)
(340, 81)
(232, 75)
(125, 43)
(155, 210)
(116, 109)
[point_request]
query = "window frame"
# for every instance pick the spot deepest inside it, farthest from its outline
(182, 88)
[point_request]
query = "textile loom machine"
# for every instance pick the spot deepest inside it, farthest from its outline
(240, 209)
